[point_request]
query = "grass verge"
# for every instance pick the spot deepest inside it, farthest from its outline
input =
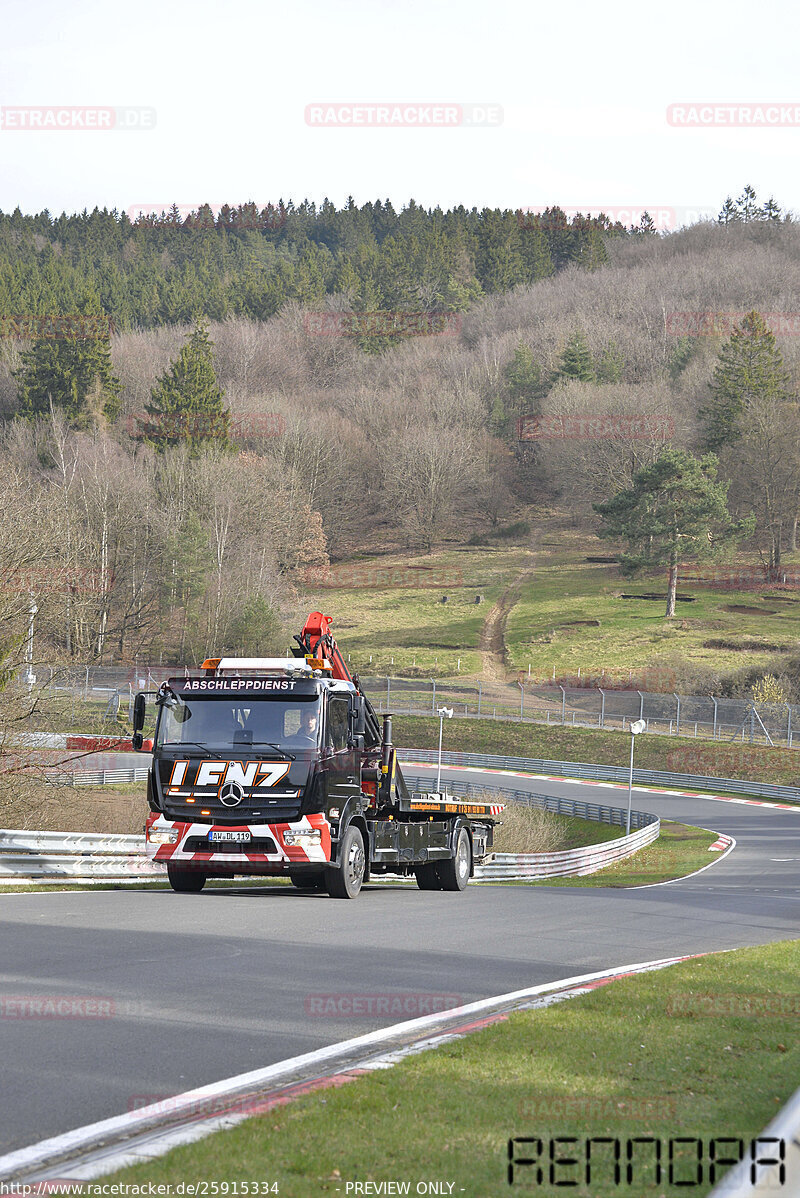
(703, 1051)
(679, 850)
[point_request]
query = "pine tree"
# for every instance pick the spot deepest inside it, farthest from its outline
(728, 215)
(187, 406)
(750, 367)
(673, 511)
(71, 370)
(611, 364)
(576, 360)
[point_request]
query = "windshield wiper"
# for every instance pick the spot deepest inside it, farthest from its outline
(271, 744)
(181, 744)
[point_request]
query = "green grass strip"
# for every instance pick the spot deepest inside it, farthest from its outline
(704, 1050)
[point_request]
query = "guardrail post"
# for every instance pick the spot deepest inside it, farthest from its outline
(678, 716)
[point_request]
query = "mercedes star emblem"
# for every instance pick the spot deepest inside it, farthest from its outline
(231, 794)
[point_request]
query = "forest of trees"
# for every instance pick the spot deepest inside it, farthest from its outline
(168, 268)
(183, 481)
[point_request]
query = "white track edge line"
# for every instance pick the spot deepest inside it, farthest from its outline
(38, 1154)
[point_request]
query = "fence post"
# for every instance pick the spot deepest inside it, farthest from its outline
(602, 708)
(388, 693)
(433, 699)
(789, 726)
(714, 734)
(563, 705)
(641, 704)
(479, 698)
(521, 700)
(678, 716)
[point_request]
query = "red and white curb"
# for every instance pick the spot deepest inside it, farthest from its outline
(142, 1135)
(720, 844)
(660, 790)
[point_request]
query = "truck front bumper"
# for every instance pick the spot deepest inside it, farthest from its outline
(244, 849)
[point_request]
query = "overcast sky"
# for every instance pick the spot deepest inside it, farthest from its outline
(576, 98)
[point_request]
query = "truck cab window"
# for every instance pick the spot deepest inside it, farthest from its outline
(336, 733)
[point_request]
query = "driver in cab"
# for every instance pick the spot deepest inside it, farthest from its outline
(306, 735)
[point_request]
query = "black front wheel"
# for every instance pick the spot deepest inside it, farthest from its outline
(346, 881)
(454, 874)
(185, 881)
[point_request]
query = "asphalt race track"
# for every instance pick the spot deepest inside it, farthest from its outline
(199, 987)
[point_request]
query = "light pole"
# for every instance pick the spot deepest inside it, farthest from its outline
(636, 727)
(28, 676)
(443, 711)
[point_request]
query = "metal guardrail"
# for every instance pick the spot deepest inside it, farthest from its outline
(51, 855)
(70, 855)
(602, 773)
(573, 863)
(98, 777)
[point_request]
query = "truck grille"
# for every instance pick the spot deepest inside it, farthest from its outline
(201, 844)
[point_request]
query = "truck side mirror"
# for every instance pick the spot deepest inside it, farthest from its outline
(137, 742)
(139, 713)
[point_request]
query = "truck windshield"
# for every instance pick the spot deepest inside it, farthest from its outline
(222, 723)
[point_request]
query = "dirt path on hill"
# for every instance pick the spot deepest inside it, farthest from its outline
(492, 643)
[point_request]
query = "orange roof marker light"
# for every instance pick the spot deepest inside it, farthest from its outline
(210, 664)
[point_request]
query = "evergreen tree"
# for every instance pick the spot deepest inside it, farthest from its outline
(674, 511)
(186, 405)
(576, 360)
(729, 214)
(71, 370)
(611, 364)
(750, 366)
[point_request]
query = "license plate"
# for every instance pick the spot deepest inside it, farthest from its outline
(237, 835)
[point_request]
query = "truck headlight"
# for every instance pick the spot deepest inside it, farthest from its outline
(163, 835)
(303, 837)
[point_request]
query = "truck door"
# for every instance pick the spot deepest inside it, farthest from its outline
(340, 760)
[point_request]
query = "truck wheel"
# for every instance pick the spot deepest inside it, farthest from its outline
(346, 882)
(185, 881)
(454, 874)
(428, 877)
(307, 881)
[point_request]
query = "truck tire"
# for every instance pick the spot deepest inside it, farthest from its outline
(428, 877)
(185, 881)
(346, 882)
(454, 874)
(307, 881)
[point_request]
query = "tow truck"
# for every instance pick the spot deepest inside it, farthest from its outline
(281, 767)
